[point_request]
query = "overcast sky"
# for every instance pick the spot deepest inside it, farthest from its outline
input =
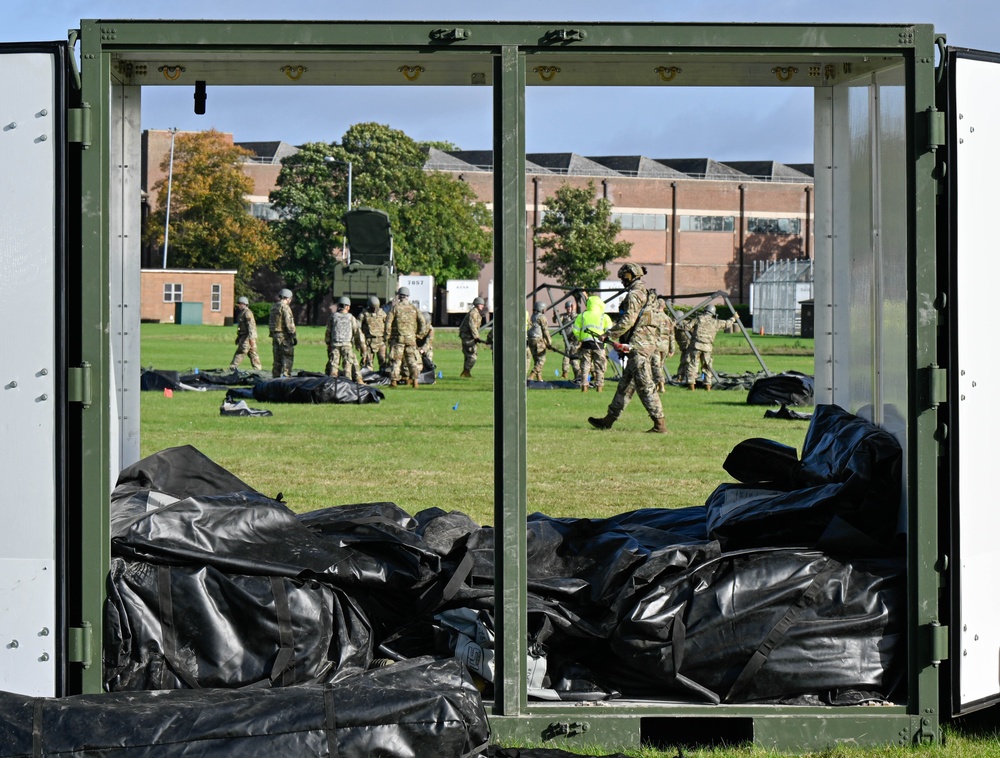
(722, 124)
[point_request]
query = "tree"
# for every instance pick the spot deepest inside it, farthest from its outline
(210, 224)
(447, 230)
(577, 237)
(438, 227)
(310, 198)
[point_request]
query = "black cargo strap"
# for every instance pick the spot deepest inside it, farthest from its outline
(331, 722)
(777, 634)
(36, 729)
(284, 662)
(170, 632)
(437, 594)
(677, 637)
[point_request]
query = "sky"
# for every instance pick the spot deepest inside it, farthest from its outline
(719, 123)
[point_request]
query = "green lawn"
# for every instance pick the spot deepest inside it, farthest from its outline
(433, 447)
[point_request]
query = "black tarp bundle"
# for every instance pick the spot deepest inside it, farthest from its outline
(422, 707)
(216, 586)
(313, 389)
(788, 388)
(844, 493)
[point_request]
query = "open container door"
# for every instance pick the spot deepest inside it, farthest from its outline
(33, 244)
(973, 168)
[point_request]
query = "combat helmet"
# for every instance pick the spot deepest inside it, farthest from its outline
(345, 300)
(631, 270)
(540, 306)
(285, 293)
(478, 301)
(403, 291)
(243, 300)
(710, 310)
(374, 302)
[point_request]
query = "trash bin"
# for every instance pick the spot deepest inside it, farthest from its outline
(807, 318)
(187, 313)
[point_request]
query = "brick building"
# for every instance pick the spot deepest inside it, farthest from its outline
(165, 292)
(698, 225)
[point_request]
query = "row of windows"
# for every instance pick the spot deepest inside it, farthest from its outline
(174, 293)
(658, 222)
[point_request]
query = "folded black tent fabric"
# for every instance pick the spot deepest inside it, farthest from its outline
(417, 708)
(767, 626)
(789, 388)
(844, 493)
(315, 389)
(602, 596)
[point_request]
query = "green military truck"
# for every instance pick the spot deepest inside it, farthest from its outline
(369, 268)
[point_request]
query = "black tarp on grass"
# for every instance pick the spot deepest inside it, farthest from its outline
(646, 603)
(788, 388)
(422, 707)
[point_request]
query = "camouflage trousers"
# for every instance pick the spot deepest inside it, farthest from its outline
(245, 347)
(684, 363)
(593, 363)
(538, 349)
(343, 360)
(470, 349)
(658, 362)
(400, 353)
(700, 360)
(571, 361)
(637, 378)
(284, 355)
(375, 349)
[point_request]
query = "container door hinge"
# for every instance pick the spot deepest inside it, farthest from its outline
(78, 125)
(936, 128)
(935, 386)
(80, 641)
(939, 643)
(78, 385)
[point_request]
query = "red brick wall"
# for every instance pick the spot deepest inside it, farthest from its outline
(197, 289)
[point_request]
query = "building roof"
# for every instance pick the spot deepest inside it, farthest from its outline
(570, 163)
(269, 152)
(482, 160)
(702, 168)
(637, 165)
(771, 171)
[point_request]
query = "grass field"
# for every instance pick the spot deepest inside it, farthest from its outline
(433, 447)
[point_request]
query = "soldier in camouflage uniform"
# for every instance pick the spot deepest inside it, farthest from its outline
(373, 331)
(539, 341)
(468, 332)
(664, 346)
(282, 330)
(703, 332)
(425, 344)
(570, 359)
(682, 338)
(404, 324)
(343, 334)
(246, 336)
(637, 327)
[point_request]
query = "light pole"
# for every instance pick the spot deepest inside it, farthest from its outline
(350, 171)
(170, 181)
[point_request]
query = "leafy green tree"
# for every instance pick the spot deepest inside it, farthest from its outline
(438, 226)
(210, 224)
(578, 238)
(310, 198)
(447, 230)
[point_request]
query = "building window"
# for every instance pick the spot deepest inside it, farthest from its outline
(774, 225)
(173, 293)
(654, 222)
(216, 298)
(264, 211)
(707, 223)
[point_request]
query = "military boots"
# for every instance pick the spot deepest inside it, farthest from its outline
(466, 373)
(659, 426)
(603, 423)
